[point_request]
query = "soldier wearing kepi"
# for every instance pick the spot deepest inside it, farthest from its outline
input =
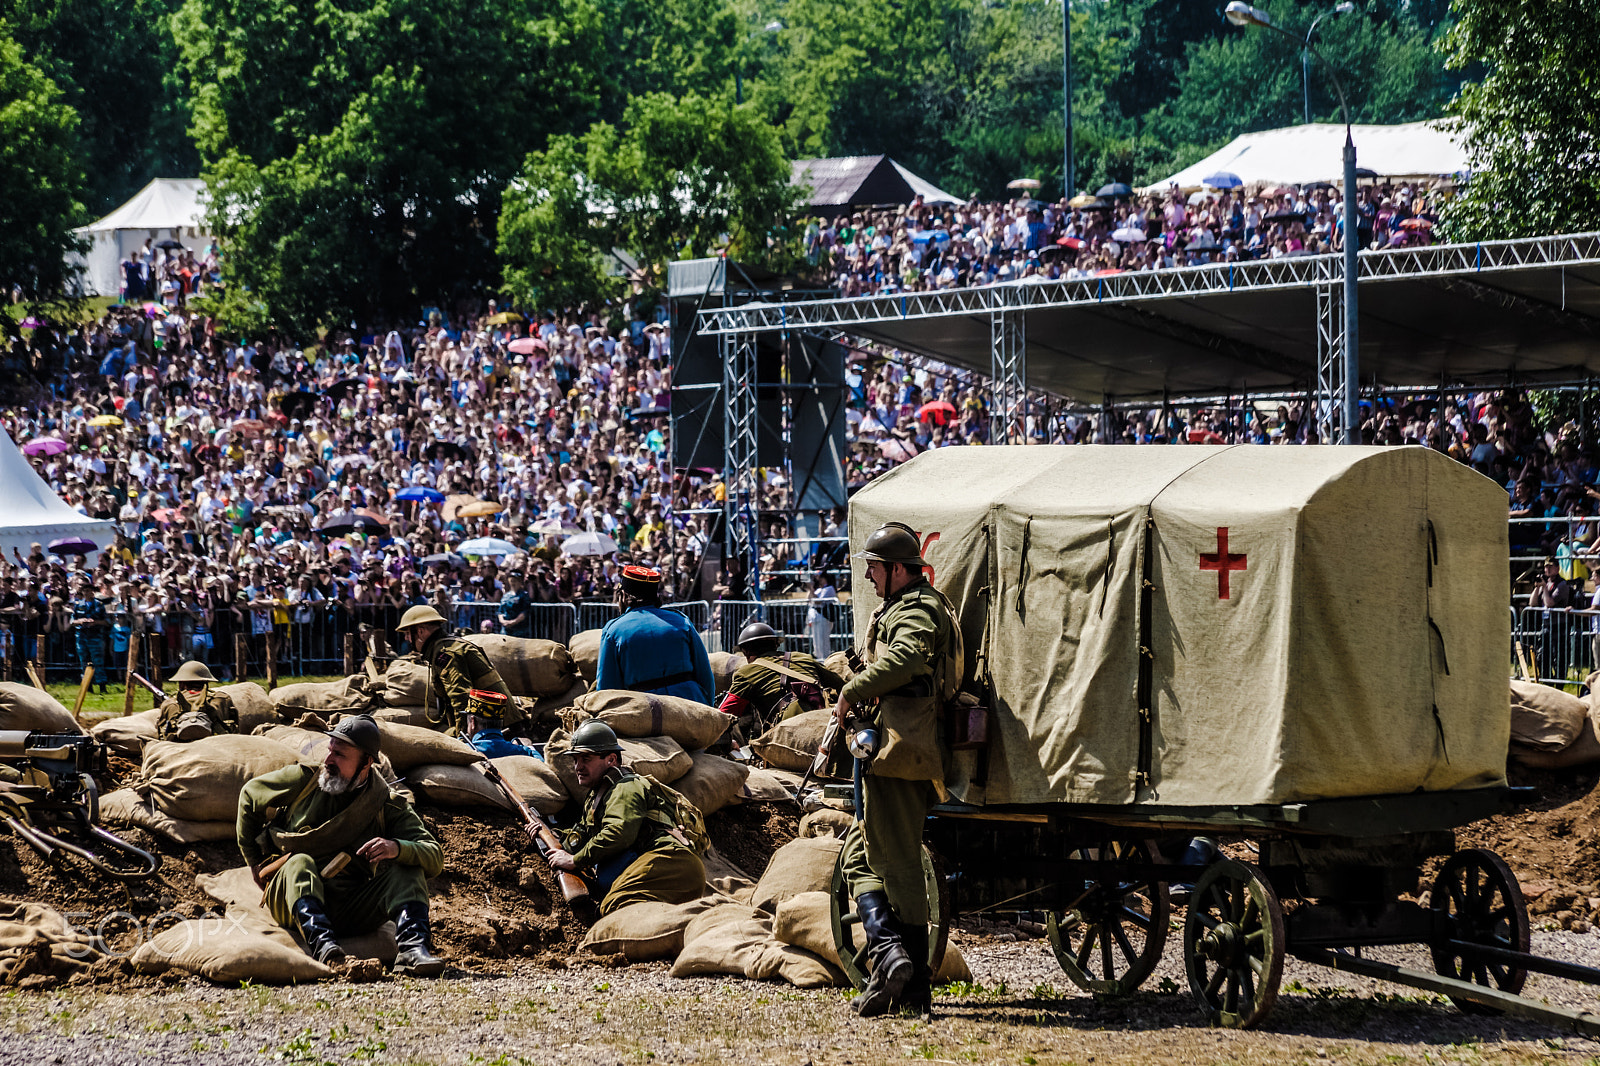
(912, 663)
(650, 649)
(337, 852)
(468, 692)
(627, 844)
(196, 712)
(775, 685)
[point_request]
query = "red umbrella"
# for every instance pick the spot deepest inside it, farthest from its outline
(1106, 273)
(939, 412)
(1074, 243)
(526, 346)
(167, 515)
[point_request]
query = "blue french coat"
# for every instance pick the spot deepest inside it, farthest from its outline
(648, 644)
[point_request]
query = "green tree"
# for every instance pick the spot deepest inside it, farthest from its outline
(679, 176)
(41, 182)
(1531, 124)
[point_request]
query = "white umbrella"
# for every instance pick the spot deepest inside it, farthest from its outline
(487, 546)
(1128, 235)
(553, 524)
(590, 543)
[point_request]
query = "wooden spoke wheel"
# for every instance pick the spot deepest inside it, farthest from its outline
(1233, 944)
(1476, 900)
(1111, 940)
(852, 943)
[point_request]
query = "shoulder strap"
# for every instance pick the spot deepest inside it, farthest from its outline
(785, 670)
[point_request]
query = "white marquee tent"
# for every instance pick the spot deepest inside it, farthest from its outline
(166, 209)
(1296, 155)
(33, 512)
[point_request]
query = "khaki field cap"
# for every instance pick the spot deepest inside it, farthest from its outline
(419, 615)
(892, 542)
(594, 738)
(193, 671)
(360, 731)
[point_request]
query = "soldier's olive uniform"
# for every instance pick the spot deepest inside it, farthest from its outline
(216, 707)
(768, 692)
(907, 641)
(456, 666)
(624, 845)
(285, 811)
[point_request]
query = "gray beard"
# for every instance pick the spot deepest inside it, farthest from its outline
(331, 783)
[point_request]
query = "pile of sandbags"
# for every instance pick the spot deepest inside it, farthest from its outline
(34, 710)
(1552, 729)
(792, 743)
(646, 714)
(528, 666)
(724, 664)
(128, 734)
(585, 651)
(190, 792)
(253, 703)
(39, 948)
(350, 695)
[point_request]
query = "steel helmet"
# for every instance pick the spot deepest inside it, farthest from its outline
(194, 671)
(758, 638)
(893, 542)
(421, 614)
(361, 731)
(595, 738)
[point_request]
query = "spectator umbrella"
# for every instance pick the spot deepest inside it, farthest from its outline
(590, 543)
(487, 546)
(1222, 179)
(480, 509)
(939, 412)
(1114, 190)
(420, 494)
(73, 546)
(44, 446)
(105, 420)
(339, 524)
(526, 346)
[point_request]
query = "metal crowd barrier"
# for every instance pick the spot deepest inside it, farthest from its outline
(1555, 645)
(595, 614)
(546, 621)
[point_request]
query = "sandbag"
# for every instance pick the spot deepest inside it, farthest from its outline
(34, 710)
(645, 931)
(127, 734)
(825, 821)
(456, 786)
(797, 966)
(407, 682)
(528, 666)
(237, 891)
(802, 865)
(544, 710)
(403, 715)
(252, 703)
(661, 758)
(227, 951)
(792, 743)
(645, 714)
(712, 782)
(38, 940)
(725, 878)
(1583, 751)
(724, 664)
(839, 663)
(126, 807)
(731, 938)
(806, 921)
(409, 745)
(585, 649)
(200, 781)
(348, 696)
(535, 780)
(768, 786)
(1545, 718)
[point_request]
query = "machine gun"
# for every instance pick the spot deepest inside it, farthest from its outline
(52, 802)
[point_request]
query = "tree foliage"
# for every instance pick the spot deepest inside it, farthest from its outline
(41, 180)
(1531, 124)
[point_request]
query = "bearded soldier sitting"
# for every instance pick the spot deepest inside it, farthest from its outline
(196, 712)
(337, 852)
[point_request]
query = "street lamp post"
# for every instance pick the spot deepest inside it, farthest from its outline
(1305, 53)
(1066, 97)
(1242, 14)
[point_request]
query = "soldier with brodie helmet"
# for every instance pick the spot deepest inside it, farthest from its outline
(336, 851)
(473, 702)
(913, 648)
(627, 844)
(196, 712)
(773, 686)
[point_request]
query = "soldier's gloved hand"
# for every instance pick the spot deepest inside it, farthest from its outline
(562, 860)
(379, 848)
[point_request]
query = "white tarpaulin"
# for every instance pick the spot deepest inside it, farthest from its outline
(1192, 626)
(166, 209)
(1297, 155)
(30, 511)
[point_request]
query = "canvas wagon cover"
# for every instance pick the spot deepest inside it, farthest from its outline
(1320, 621)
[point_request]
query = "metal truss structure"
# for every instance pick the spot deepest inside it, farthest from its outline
(1008, 370)
(1329, 409)
(738, 352)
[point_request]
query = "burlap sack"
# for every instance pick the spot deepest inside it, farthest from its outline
(585, 649)
(1545, 718)
(327, 698)
(543, 712)
(780, 961)
(769, 786)
(228, 950)
(661, 758)
(251, 701)
(456, 786)
(724, 664)
(535, 780)
(128, 734)
(806, 921)
(825, 822)
(839, 663)
(725, 878)
(200, 781)
(731, 938)
(1583, 751)
(237, 891)
(712, 782)
(645, 714)
(792, 743)
(34, 710)
(408, 745)
(125, 807)
(529, 667)
(803, 865)
(407, 682)
(403, 715)
(36, 939)
(645, 931)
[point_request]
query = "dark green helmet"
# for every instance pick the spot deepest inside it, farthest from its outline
(757, 639)
(893, 542)
(594, 738)
(360, 731)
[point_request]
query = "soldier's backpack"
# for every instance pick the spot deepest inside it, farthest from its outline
(681, 819)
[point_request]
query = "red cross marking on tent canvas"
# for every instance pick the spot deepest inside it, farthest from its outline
(1222, 562)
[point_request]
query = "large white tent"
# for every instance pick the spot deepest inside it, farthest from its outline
(30, 510)
(166, 209)
(1296, 155)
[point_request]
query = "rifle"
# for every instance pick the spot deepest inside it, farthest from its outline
(544, 839)
(154, 689)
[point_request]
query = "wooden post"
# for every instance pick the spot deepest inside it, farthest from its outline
(155, 678)
(379, 644)
(134, 640)
(349, 654)
(241, 657)
(36, 674)
(83, 690)
(272, 658)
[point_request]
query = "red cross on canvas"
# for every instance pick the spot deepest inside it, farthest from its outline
(1222, 562)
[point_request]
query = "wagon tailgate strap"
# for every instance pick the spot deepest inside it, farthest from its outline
(1147, 655)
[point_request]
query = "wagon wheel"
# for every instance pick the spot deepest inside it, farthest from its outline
(1233, 944)
(1476, 899)
(1111, 939)
(853, 960)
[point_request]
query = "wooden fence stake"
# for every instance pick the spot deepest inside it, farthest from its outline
(241, 657)
(272, 659)
(349, 654)
(134, 640)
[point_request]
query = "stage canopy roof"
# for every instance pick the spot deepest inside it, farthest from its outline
(1297, 155)
(858, 180)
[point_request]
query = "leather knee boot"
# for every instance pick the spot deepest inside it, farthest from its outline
(413, 935)
(891, 966)
(318, 931)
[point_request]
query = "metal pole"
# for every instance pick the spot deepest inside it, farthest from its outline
(1305, 73)
(1352, 314)
(1067, 183)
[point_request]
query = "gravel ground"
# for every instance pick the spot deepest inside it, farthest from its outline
(1019, 1009)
